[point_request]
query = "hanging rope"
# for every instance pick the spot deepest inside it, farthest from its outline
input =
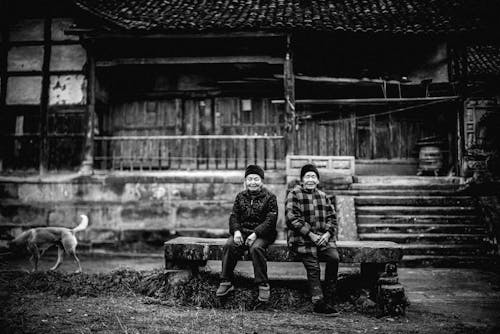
(301, 116)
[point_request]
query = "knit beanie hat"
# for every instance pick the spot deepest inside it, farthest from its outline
(254, 169)
(308, 168)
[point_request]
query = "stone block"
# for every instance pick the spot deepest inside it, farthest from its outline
(146, 215)
(388, 280)
(370, 253)
(346, 218)
(22, 214)
(196, 214)
(152, 237)
(9, 191)
(392, 300)
(204, 191)
(45, 192)
(99, 236)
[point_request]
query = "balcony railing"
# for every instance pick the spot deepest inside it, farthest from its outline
(190, 152)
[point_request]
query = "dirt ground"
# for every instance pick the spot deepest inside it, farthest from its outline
(442, 301)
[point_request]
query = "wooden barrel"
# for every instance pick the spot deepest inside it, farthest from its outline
(430, 158)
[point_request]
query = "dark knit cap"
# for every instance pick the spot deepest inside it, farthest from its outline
(308, 168)
(254, 169)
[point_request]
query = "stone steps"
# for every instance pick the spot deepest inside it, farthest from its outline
(415, 210)
(457, 261)
(405, 186)
(432, 238)
(421, 228)
(446, 249)
(408, 179)
(393, 192)
(458, 201)
(435, 225)
(420, 219)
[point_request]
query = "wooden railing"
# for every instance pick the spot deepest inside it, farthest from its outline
(189, 152)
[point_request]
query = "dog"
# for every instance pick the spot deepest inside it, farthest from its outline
(38, 240)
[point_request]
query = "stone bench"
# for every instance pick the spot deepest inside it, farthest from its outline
(377, 259)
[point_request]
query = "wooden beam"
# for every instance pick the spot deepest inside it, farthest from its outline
(182, 137)
(349, 81)
(87, 167)
(370, 100)
(191, 60)
(44, 97)
(289, 92)
(94, 34)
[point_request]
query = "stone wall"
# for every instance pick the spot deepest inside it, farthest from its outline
(127, 207)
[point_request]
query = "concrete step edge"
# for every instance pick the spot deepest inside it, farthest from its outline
(443, 246)
(413, 208)
(421, 225)
(419, 235)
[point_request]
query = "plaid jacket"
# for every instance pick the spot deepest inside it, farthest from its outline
(309, 211)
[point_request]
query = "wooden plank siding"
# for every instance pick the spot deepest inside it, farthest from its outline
(232, 132)
(205, 133)
(365, 134)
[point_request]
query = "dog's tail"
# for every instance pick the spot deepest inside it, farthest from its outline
(83, 225)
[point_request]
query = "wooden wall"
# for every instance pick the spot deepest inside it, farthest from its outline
(188, 119)
(366, 133)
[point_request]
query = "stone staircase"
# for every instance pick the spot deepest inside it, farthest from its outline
(434, 223)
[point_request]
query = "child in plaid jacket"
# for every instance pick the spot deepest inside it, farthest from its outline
(312, 229)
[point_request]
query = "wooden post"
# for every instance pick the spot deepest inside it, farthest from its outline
(289, 88)
(460, 139)
(44, 98)
(3, 69)
(87, 167)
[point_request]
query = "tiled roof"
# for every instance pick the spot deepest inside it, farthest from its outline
(483, 60)
(392, 16)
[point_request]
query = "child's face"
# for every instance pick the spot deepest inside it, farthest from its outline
(253, 182)
(310, 180)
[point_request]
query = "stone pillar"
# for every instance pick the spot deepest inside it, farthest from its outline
(391, 297)
(346, 218)
(87, 167)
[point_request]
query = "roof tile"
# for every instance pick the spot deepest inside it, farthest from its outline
(401, 16)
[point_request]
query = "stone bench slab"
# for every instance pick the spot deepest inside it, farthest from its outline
(186, 249)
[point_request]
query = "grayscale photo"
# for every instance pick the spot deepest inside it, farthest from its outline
(249, 166)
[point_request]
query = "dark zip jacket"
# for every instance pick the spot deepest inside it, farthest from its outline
(255, 213)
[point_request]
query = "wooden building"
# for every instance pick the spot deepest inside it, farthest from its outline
(189, 85)
(142, 114)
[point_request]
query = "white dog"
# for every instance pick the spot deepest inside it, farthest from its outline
(38, 240)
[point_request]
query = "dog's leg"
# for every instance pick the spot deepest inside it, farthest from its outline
(69, 242)
(60, 257)
(73, 253)
(35, 256)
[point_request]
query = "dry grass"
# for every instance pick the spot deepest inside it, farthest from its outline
(151, 285)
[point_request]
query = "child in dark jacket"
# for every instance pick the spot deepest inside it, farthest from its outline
(252, 226)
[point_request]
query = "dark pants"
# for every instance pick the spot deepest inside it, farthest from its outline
(311, 263)
(232, 253)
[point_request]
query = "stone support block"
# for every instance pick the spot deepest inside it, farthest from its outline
(346, 218)
(391, 299)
